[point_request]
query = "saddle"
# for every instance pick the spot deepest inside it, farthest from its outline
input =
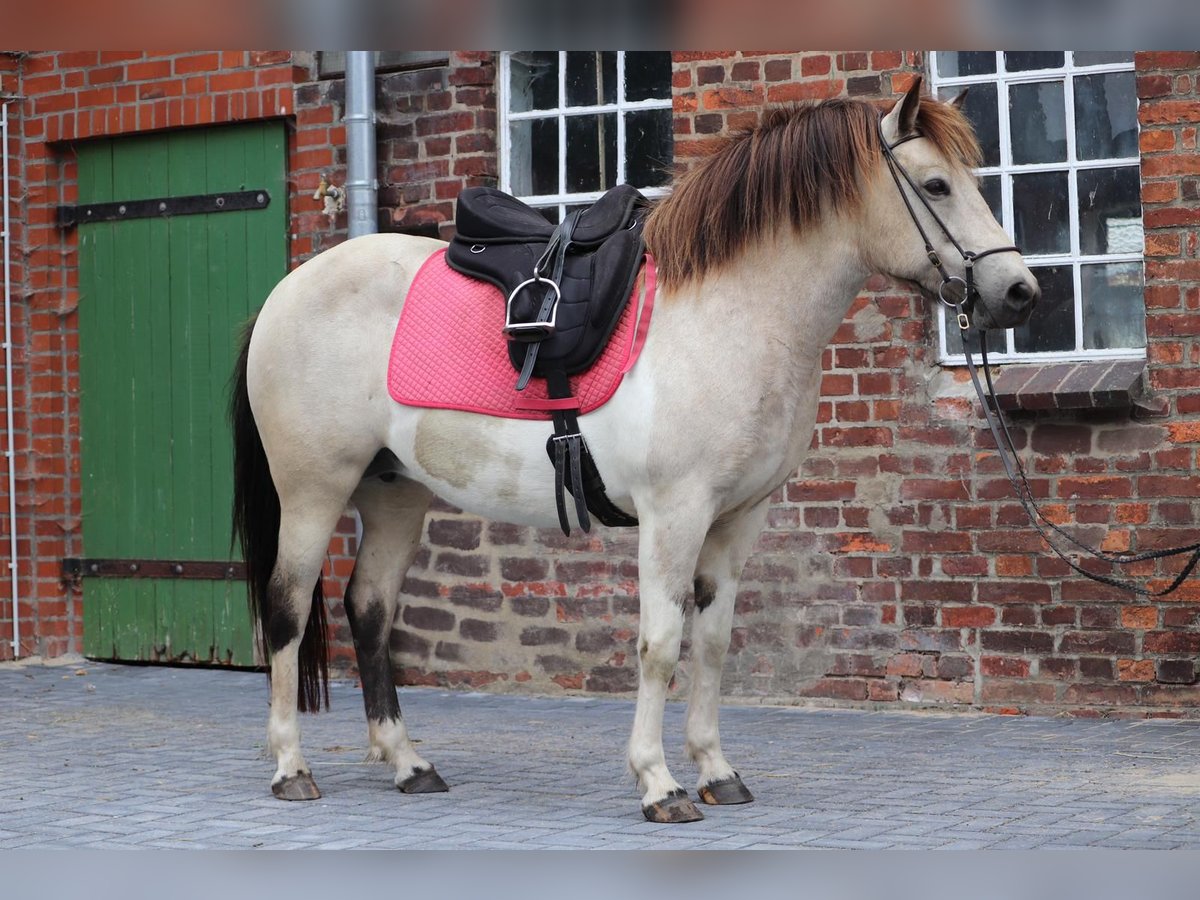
(566, 286)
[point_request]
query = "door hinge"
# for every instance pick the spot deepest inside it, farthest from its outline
(75, 569)
(163, 207)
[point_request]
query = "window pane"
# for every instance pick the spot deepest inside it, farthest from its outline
(648, 145)
(591, 78)
(1052, 325)
(1025, 60)
(1114, 314)
(591, 152)
(954, 345)
(1110, 211)
(1040, 212)
(647, 75)
(1102, 57)
(1106, 116)
(989, 187)
(955, 63)
(533, 157)
(551, 214)
(982, 111)
(533, 80)
(1037, 117)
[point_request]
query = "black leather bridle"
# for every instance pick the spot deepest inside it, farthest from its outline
(991, 407)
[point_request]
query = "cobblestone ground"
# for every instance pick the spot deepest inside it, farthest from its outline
(126, 756)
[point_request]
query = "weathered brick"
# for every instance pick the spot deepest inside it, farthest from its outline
(478, 630)
(534, 636)
(428, 618)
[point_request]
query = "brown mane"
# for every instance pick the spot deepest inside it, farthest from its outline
(799, 161)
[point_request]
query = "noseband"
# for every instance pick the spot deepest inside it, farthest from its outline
(963, 306)
(1049, 531)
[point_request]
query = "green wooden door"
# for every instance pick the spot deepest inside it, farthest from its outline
(162, 301)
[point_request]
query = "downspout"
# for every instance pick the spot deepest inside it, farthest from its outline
(8, 387)
(361, 192)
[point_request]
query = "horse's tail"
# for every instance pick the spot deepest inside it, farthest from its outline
(256, 519)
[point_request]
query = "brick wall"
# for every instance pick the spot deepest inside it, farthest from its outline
(439, 132)
(897, 567)
(19, 440)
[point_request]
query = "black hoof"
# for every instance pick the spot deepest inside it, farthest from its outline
(676, 807)
(728, 792)
(425, 781)
(296, 787)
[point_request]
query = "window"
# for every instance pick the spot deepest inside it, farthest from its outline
(576, 123)
(1060, 142)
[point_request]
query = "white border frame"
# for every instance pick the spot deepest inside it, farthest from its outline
(560, 113)
(1001, 82)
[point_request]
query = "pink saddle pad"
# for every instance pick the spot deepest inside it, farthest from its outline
(450, 351)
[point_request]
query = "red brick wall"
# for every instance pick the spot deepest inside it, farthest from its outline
(446, 117)
(19, 441)
(897, 567)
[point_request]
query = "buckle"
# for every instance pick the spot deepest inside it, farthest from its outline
(532, 330)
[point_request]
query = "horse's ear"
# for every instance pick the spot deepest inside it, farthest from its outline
(959, 99)
(901, 121)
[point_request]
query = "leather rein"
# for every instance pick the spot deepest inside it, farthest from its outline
(963, 306)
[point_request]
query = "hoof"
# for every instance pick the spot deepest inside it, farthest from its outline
(296, 787)
(676, 807)
(425, 781)
(727, 792)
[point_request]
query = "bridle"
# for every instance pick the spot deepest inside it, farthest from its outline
(991, 407)
(961, 307)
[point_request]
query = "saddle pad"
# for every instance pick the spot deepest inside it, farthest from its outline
(450, 351)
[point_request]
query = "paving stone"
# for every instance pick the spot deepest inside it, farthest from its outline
(175, 758)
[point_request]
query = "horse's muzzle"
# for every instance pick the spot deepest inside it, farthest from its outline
(1013, 309)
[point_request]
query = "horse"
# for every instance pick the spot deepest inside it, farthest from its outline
(761, 248)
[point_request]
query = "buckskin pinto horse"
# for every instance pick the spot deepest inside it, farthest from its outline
(760, 249)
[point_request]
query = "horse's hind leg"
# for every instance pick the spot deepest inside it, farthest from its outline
(307, 522)
(725, 552)
(392, 516)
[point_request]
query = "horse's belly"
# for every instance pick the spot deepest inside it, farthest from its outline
(492, 467)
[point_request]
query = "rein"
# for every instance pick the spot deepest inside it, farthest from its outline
(991, 406)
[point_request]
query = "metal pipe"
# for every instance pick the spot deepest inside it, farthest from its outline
(9, 453)
(361, 185)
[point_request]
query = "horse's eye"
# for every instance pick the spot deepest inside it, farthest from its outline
(936, 187)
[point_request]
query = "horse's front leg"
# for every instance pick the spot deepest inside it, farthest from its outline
(725, 552)
(667, 552)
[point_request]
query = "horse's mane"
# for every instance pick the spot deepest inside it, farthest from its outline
(800, 161)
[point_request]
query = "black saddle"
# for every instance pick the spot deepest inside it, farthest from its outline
(565, 286)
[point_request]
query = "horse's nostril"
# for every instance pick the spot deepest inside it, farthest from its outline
(1022, 294)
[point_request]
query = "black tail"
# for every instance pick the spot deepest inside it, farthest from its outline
(256, 526)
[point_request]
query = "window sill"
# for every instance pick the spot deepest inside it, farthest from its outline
(1103, 384)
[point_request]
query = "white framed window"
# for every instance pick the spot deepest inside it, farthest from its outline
(575, 123)
(1059, 134)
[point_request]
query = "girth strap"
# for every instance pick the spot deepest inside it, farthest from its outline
(575, 469)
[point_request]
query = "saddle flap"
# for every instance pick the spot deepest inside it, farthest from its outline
(595, 289)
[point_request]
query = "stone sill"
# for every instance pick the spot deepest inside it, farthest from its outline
(1100, 384)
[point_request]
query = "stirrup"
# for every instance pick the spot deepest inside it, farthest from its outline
(532, 331)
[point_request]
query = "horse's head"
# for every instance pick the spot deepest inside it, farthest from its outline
(924, 197)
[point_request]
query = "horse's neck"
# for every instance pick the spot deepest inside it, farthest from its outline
(779, 304)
